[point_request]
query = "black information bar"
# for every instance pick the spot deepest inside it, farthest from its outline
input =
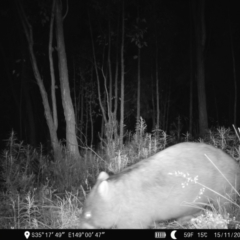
(112, 234)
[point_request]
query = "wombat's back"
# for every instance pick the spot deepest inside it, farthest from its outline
(165, 186)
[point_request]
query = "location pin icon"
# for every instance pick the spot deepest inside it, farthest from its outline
(27, 234)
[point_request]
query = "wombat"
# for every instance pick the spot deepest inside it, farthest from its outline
(172, 184)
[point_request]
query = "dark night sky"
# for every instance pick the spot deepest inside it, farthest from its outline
(173, 30)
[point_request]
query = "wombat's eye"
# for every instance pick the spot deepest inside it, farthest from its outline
(87, 215)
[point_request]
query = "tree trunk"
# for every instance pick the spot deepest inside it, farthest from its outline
(116, 87)
(122, 80)
(191, 101)
(139, 85)
(48, 114)
(191, 75)
(157, 90)
(86, 123)
(234, 75)
(71, 138)
(91, 120)
(110, 67)
(30, 131)
(28, 116)
(200, 42)
(97, 75)
(82, 111)
(153, 103)
(50, 50)
(168, 107)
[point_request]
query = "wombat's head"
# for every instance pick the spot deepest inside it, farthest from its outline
(97, 211)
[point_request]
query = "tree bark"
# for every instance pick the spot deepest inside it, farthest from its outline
(157, 90)
(50, 50)
(139, 84)
(48, 114)
(200, 34)
(69, 114)
(234, 74)
(122, 80)
(191, 74)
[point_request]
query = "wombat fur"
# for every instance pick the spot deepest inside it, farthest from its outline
(171, 184)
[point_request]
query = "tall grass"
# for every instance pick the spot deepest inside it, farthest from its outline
(39, 193)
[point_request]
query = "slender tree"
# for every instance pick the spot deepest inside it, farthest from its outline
(157, 89)
(108, 88)
(234, 72)
(122, 79)
(191, 73)
(50, 51)
(48, 113)
(136, 36)
(69, 114)
(200, 34)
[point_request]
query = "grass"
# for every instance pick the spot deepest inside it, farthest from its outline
(38, 193)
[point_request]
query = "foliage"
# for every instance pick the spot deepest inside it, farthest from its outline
(23, 167)
(210, 220)
(50, 194)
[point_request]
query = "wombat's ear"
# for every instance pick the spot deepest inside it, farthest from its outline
(102, 176)
(103, 190)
